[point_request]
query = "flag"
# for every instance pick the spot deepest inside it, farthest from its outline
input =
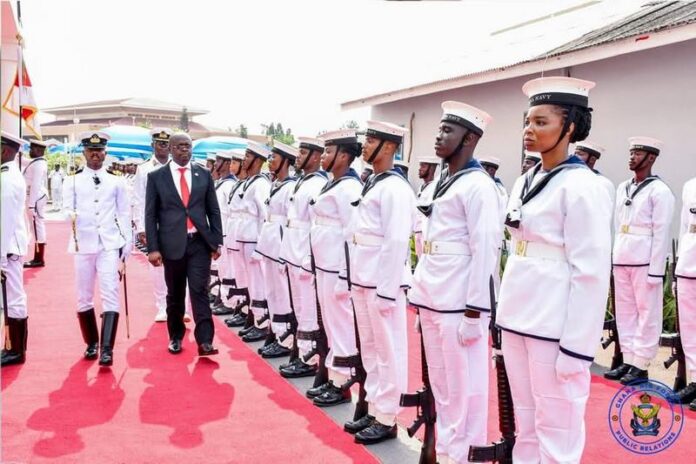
(23, 94)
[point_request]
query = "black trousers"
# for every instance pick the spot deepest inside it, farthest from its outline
(194, 267)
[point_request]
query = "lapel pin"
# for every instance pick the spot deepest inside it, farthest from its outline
(195, 174)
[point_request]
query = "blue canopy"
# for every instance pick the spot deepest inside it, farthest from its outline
(130, 138)
(202, 147)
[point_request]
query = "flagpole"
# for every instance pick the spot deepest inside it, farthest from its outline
(20, 63)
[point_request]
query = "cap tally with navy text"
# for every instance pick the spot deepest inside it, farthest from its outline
(339, 137)
(467, 116)
(259, 150)
(558, 90)
(284, 150)
(648, 144)
(591, 148)
(386, 131)
(310, 143)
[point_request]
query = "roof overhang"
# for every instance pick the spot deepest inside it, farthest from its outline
(587, 55)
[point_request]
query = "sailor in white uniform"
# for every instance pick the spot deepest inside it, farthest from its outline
(97, 205)
(451, 285)
(13, 248)
(427, 166)
(333, 215)
(379, 274)
(160, 157)
(274, 270)
(686, 289)
(530, 160)
(591, 152)
(36, 174)
(295, 252)
(553, 294)
(643, 216)
(491, 164)
(56, 179)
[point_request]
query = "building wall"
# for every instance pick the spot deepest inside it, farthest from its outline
(650, 93)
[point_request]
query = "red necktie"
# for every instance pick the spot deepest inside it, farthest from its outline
(185, 196)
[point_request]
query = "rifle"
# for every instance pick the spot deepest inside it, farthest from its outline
(354, 362)
(426, 415)
(673, 340)
(501, 450)
(125, 295)
(3, 283)
(321, 342)
(610, 325)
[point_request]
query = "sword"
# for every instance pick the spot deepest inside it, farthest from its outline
(122, 276)
(3, 282)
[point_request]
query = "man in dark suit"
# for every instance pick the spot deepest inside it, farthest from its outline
(184, 232)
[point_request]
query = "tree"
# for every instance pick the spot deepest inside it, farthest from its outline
(184, 120)
(279, 129)
(271, 130)
(243, 131)
(352, 124)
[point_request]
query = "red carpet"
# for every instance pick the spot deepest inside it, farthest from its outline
(151, 407)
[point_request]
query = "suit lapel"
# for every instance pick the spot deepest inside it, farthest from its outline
(196, 182)
(169, 182)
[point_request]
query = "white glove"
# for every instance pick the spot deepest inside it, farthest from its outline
(655, 280)
(341, 289)
(567, 367)
(385, 307)
(469, 330)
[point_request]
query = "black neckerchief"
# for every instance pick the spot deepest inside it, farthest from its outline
(248, 182)
(375, 179)
(278, 186)
(498, 181)
(351, 174)
(423, 187)
(234, 189)
(447, 181)
(307, 177)
(223, 180)
(630, 196)
(528, 192)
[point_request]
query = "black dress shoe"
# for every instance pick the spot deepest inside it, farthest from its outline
(275, 350)
(174, 346)
(298, 370)
(317, 391)
(207, 349)
(634, 375)
(616, 374)
(92, 351)
(332, 396)
(289, 364)
(222, 310)
(237, 320)
(255, 334)
(686, 395)
(375, 433)
(692, 405)
(358, 425)
(246, 330)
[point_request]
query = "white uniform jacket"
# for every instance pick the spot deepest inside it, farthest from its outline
(35, 176)
(222, 189)
(686, 266)
(333, 215)
(252, 208)
(643, 225)
(139, 190)
(423, 198)
(273, 229)
(56, 179)
(234, 208)
(464, 217)
(101, 210)
(295, 249)
(13, 238)
(560, 297)
(385, 216)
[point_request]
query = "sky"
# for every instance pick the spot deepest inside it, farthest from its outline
(253, 61)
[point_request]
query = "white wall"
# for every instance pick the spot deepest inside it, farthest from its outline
(650, 93)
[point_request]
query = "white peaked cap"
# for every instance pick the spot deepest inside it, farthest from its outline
(287, 150)
(258, 149)
(311, 142)
(532, 154)
(386, 131)
(466, 115)
(430, 159)
(238, 154)
(490, 160)
(558, 90)
(161, 131)
(646, 143)
(339, 136)
(13, 138)
(591, 148)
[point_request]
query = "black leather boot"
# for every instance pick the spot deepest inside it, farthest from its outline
(375, 433)
(38, 260)
(108, 337)
(356, 426)
(634, 375)
(18, 342)
(686, 395)
(616, 374)
(90, 333)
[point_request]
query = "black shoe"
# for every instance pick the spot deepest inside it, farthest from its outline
(246, 330)
(289, 364)
(18, 340)
(692, 405)
(686, 395)
(616, 374)
(375, 433)
(298, 370)
(275, 350)
(255, 334)
(207, 349)
(237, 320)
(108, 336)
(174, 346)
(38, 260)
(332, 396)
(356, 426)
(317, 391)
(92, 351)
(222, 310)
(90, 333)
(633, 375)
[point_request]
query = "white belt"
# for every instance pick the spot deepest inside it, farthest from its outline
(446, 248)
(367, 240)
(327, 221)
(297, 224)
(248, 215)
(539, 250)
(633, 230)
(277, 219)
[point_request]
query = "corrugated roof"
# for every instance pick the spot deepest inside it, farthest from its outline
(144, 103)
(656, 16)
